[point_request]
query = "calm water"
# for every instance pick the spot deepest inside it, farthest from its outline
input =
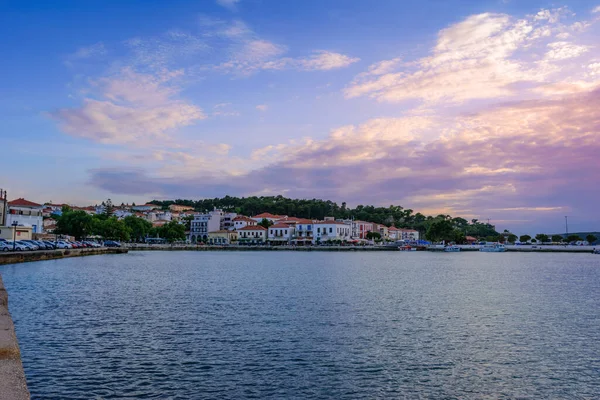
(191, 325)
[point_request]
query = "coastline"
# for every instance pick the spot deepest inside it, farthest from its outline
(41, 255)
(13, 385)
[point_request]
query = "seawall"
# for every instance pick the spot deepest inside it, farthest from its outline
(259, 248)
(28, 256)
(13, 385)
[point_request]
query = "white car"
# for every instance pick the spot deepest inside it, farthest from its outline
(4, 246)
(17, 246)
(63, 245)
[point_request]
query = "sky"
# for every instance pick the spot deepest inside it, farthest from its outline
(487, 109)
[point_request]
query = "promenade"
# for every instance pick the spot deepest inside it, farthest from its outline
(40, 255)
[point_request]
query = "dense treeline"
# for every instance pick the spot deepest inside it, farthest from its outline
(319, 209)
(81, 225)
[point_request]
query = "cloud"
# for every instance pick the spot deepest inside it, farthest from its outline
(224, 110)
(229, 4)
(262, 107)
(325, 60)
(85, 53)
(596, 10)
(565, 50)
(507, 160)
(130, 109)
(161, 51)
(485, 56)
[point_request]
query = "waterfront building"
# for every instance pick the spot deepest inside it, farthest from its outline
(304, 231)
(281, 233)
(227, 220)
(202, 224)
(252, 234)
(409, 235)
(362, 228)
(242, 221)
(222, 237)
(22, 232)
(331, 230)
(25, 213)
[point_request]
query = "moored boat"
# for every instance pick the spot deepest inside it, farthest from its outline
(493, 248)
(452, 249)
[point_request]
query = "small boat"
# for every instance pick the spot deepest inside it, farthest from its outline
(493, 248)
(596, 251)
(452, 249)
(407, 248)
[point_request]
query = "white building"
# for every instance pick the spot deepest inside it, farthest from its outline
(304, 233)
(241, 221)
(227, 221)
(332, 230)
(25, 213)
(202, 224)
(281, 233)
(254, 234)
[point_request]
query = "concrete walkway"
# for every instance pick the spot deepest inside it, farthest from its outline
(13, 385)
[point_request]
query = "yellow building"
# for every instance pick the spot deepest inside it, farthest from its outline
(222, 237)
(23, 232)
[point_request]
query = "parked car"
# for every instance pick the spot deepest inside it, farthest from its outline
(63, 245)
(17, 246)
(2, 240)
(4, 246)
(51, 245)
(29, 246)
(42, 245)
(111, 243)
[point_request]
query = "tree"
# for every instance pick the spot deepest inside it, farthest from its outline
(171, 231)
(533, 241)
(459, 237)
(512, 238)
(439, 230)
(112, 228)
(542, 238)
(265, 223)
(373, 235)
(573, 238)
(524, 238)
(591, 238)
(187, 221)
(557, 238)
(74, 223)
(109, 209)
(139, 228)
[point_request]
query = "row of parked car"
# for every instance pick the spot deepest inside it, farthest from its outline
(31, 245)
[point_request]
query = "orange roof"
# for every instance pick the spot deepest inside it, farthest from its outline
(269, 215)
(470, 239)
(243, 218)
(24, 203)
(253, 228)
(393, 228)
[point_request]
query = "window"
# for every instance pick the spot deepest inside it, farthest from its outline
(318, 230)
(330, 230)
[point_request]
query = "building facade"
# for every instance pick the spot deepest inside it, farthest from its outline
(252, 234)
(281, 233)
(202, 224)
(23, 212)
(332, 230)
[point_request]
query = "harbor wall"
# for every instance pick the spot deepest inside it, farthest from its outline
(28, 256)
(167, 247)
(13, 385)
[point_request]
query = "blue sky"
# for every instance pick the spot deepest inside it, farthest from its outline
(441, 106)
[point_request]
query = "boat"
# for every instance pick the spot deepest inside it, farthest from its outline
(493, 248)
(407, 248)
(596, 251)
(451, 249)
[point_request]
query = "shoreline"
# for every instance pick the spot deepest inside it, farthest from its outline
(42, 255)
(464, 248)
(13, 384)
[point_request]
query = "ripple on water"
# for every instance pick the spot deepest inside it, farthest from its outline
(309, 325)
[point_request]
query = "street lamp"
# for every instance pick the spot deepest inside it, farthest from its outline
(14, 225)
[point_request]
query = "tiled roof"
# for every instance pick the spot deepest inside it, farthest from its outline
(243, 218)
(253, 228)
(269, 215)
(23, 203)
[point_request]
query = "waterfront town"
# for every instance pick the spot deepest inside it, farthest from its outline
(24, 219)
